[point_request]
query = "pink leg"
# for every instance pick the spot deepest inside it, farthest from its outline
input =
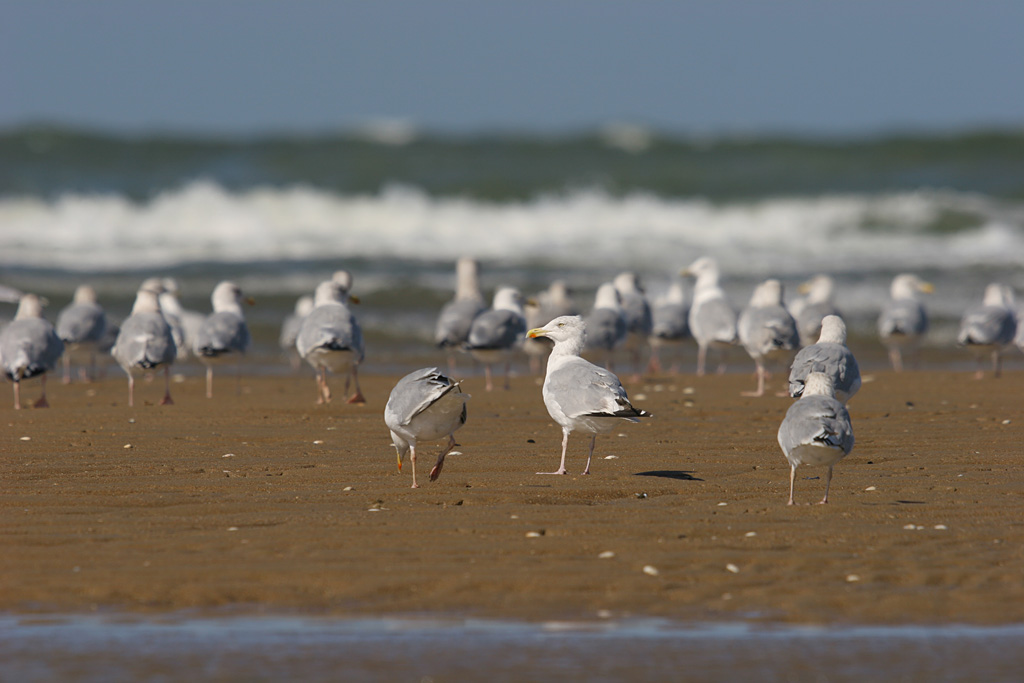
(41, 403)
(166, 401)
(209, 381)
(17, 395)
(436, 471)
(702, 357)
(828, 482)
(760, 382)
(67, 367)
(565, 443)
(792, 481)
(131, 390)
(358, 396)
(593, 440)
(487, 375)
(412, 459)
(896, 358)
(508, 371)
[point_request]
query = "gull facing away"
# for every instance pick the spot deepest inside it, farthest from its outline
(606, 323)
(145, 341)
(670, 327)
(637, 312)
(81, 326)
(29, 347)
(184, 323)
(456, 317)
(767, 330)
(712, 320)
(816, 430)
(224, 335)
(815, 304)
(903, 321)
(577, 393)
(829, 356)
(497, 333)
(290, 330)
(424, 406)
(988, 329)
(330, 338)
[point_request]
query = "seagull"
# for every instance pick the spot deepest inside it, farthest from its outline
(606, 323)
(577, 393)
(712, 320)
(184, 323)
(816, 430)
(81, 325)
(224, 334)
(637, 311)
(829, 356)
(497, 332)
(456, 317)
(330, 339)
(815, 304)
(29, 347)
(424, 406)
(903, 321)
(290, 329)
(988, 328)
(767, 330)
(556, 300)
(145, 341)
(670, 327)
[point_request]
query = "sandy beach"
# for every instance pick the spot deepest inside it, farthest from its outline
(265, 502)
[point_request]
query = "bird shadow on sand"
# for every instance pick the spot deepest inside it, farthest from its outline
(669, 474)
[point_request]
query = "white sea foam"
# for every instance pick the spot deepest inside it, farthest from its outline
(781, 236)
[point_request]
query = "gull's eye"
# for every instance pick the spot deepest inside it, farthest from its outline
(561, 324)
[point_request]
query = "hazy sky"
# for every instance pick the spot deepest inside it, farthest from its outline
(248, 66)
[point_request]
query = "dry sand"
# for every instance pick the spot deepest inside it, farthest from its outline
(109, 508)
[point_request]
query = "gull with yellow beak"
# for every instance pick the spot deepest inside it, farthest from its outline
(903, 321)
(577, 393)
(424, 406)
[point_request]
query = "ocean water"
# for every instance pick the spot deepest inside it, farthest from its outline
(182, 648)
(279, 214)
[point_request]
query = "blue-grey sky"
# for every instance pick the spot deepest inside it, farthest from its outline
(249, 66)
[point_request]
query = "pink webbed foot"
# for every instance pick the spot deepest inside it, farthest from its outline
(357, 398)
(41, 403)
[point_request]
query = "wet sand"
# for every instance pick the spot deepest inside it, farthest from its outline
(115, 509)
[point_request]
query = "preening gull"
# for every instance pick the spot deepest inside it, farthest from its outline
(81, 325)
(767, 330)
(829, 356)
(815, 304)
(496, 333)
(330, 338)
(456, 317)
(424, 406)
(606, 323)
(290, 330)
(670, 326)
(903, 321)
(816, 430)
(29, 347)
(712, 320)
(637, 312)
(145, 341)
(987, 329)
(578, 394)
(224, 336)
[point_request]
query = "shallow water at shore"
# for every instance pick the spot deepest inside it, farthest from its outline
(181, 647)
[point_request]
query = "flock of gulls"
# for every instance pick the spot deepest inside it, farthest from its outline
(807, 337)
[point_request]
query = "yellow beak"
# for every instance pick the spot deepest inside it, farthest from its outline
(536, 332)
(353, 298)
(804, 288)
(927, 287)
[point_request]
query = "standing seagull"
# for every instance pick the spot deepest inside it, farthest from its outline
(145, 341)
(330, 339)
(829, 356)
(457, 315)
(290, 330)
(184, 323)
(670, 325)
(815, 304)
(224, 334)
(816, 430)
(637, 311)
(29, 347)
(577, 393)
(81, 326)
(424, 406)
(495, 334)
(988, 328)
(767, 330)
(606, 323)
(903, 321)
(712, 319)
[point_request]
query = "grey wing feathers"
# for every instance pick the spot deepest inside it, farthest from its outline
(29, 347)
(764, 329)
(606, 328)
(330, 326)
(222, 332)
(987, 325)
(713, 320)
(416, 392)
(145, 341)
(455, 320)
(80, 323)
(584, 389)
(670, 321)
(500, 329)
(835, 360)
(819, 419)
(904, 317)
(637, 313)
